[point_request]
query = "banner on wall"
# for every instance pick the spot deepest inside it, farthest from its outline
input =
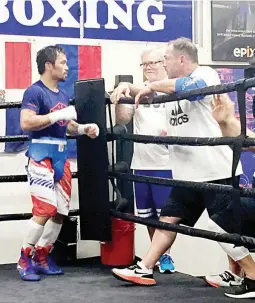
(84, 62)
(228, 75)
(131, 20)
(233, 30)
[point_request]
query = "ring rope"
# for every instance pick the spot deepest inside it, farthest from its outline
(172, 140)
(209, 90)
(236, 239)
(205, 91)
(27, 216)
(17, 104)
(23, 178)
(245, 192)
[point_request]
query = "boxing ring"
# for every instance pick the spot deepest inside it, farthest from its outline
(93, 282)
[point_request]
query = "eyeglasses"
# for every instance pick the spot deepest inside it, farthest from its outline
(150, 63)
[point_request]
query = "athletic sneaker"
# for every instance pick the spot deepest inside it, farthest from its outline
(26, 268)
(136, 274)
(244, 291)
(166, 264)
(224, 280)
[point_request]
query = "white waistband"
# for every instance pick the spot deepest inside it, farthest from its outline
(48, 141)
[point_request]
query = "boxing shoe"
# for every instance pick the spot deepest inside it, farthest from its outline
(26, 267)
(44, 263)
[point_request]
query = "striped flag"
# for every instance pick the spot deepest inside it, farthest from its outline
(19, 71)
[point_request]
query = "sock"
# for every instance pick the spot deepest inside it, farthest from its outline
(143, 267)
(34, 233)
(50, 234)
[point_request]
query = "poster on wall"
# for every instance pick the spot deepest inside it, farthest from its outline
(228, 75)
(233, 30)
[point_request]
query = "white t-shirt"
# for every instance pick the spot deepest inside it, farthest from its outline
(194, 119)
(150, 119)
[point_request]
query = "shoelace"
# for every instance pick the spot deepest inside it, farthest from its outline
(226, 276)
(167, 259)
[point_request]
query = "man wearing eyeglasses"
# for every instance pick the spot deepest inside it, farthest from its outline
(148, 159)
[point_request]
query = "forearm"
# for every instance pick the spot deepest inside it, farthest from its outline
(72, 128)
(35, 123)
(163, 86)
(134, 90)
(232, 128)
(124, 113)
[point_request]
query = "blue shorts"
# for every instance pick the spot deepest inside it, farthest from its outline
(151, 198)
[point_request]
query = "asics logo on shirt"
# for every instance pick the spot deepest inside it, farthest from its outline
(178, 117)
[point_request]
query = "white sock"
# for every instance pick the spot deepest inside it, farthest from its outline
(34, 233)
(50, 234)
(143, 267)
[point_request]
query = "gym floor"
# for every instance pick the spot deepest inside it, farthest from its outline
(94, 284)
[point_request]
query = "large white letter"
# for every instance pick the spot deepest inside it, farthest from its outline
(142, 16)
(91, 14)
(62, 12)
(19, 12)
(114, 10)
(4, 12)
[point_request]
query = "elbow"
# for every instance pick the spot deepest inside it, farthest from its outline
(120, 121)
(24, 125)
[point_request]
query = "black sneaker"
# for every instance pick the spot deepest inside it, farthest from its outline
(244, 291)
(136, 274)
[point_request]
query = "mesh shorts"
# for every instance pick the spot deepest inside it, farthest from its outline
(48, 197)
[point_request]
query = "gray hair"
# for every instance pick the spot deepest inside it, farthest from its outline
(185, 46)
(154, 50)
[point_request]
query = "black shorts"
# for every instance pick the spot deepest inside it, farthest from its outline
(189, 204)
(248, 215)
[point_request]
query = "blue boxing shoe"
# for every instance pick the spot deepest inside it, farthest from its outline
(44, 263)
(166, 264)
(26, 267)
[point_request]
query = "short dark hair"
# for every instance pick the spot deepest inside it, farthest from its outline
(47, 54)
(185, 46)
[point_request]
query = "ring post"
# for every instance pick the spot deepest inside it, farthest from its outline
(92, 162)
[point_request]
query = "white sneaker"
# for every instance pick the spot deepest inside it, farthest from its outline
(136, 274)
(225, 279)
